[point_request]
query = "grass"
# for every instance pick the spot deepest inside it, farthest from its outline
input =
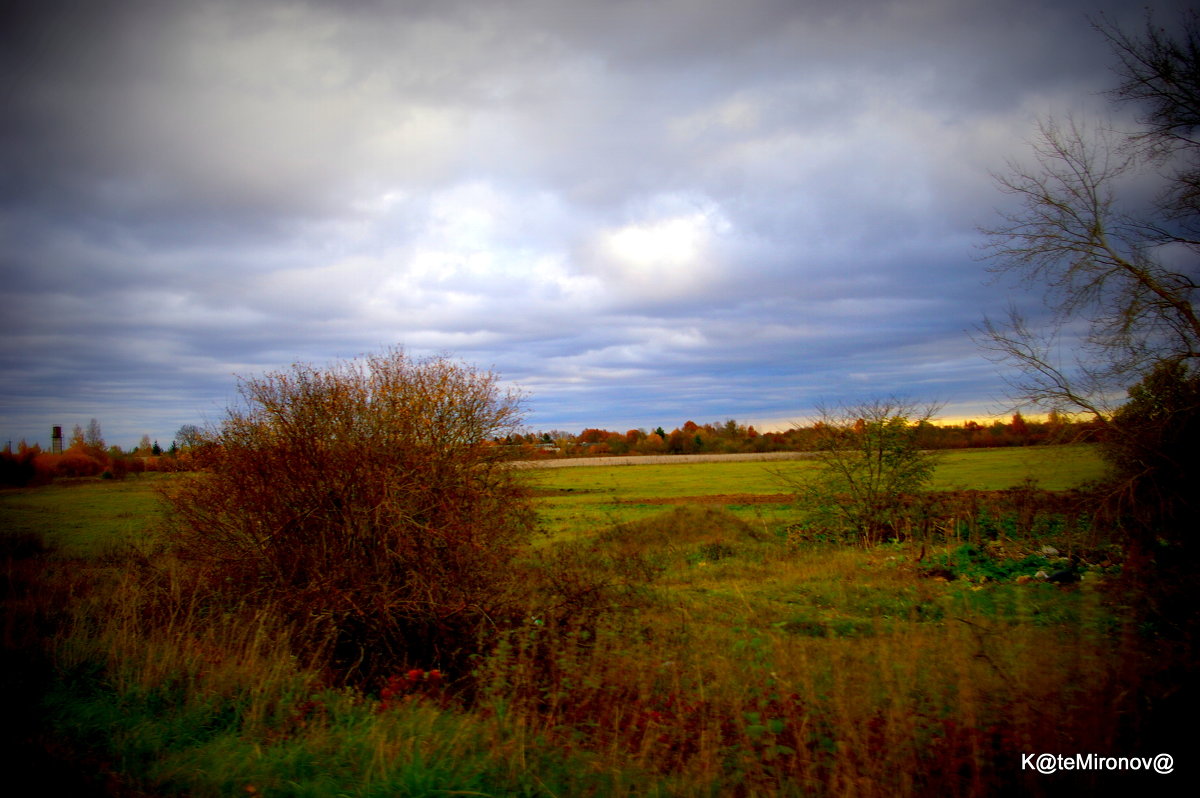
(1053, 467)
(577, 501)
(739, 665)
(832, 670)
(85, 517)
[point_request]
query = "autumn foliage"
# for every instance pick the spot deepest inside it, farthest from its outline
(365, 500)
(730, 437)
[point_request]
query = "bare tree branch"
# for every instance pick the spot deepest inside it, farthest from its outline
(1097, 265)
(1120, 276)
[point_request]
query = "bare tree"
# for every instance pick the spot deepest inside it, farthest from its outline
(94, 437)
(189, 436)
(1160, 73)
(870, 460)
(1105, 225)
(1117, 280)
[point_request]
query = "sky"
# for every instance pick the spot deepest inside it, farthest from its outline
(635, 212)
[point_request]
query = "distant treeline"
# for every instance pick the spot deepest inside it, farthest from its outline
(29, 465)
(731, 437)
(87, 455)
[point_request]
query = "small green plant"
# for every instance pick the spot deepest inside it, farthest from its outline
(976, 564)
(712, 552)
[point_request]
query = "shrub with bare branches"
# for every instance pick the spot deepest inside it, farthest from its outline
(364, 498)
(871, 459)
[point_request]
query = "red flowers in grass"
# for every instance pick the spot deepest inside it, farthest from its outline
(415, 683)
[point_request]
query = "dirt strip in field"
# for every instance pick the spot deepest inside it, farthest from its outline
(717, 498)
(657, 459)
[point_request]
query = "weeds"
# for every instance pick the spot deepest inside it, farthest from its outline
(684, 653)
(976, 564)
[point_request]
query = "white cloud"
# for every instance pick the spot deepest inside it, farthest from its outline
(664, 258)
(634, 206)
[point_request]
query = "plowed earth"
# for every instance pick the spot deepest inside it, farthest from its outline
(717, 498)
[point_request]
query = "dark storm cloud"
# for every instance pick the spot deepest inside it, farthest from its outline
(637, 210)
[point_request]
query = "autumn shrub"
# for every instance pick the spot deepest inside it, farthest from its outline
(183, 461)
(74, 463)
(364, 498)
(118, 468)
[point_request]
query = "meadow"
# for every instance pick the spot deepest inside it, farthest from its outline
(729, 659)
(577, 501)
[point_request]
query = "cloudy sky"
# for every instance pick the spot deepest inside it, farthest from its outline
(639, 211)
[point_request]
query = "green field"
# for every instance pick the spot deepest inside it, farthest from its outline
(86, 517)
(89, 517)
(725, 660)
(575, 501)
(1054, 467)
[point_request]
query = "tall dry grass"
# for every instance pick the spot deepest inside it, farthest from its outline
(722, 697)
(728, 663)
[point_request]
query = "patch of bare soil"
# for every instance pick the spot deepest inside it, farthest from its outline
(658, 459)
(717, 498)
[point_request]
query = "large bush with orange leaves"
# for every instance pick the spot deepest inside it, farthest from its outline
(365, 501)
